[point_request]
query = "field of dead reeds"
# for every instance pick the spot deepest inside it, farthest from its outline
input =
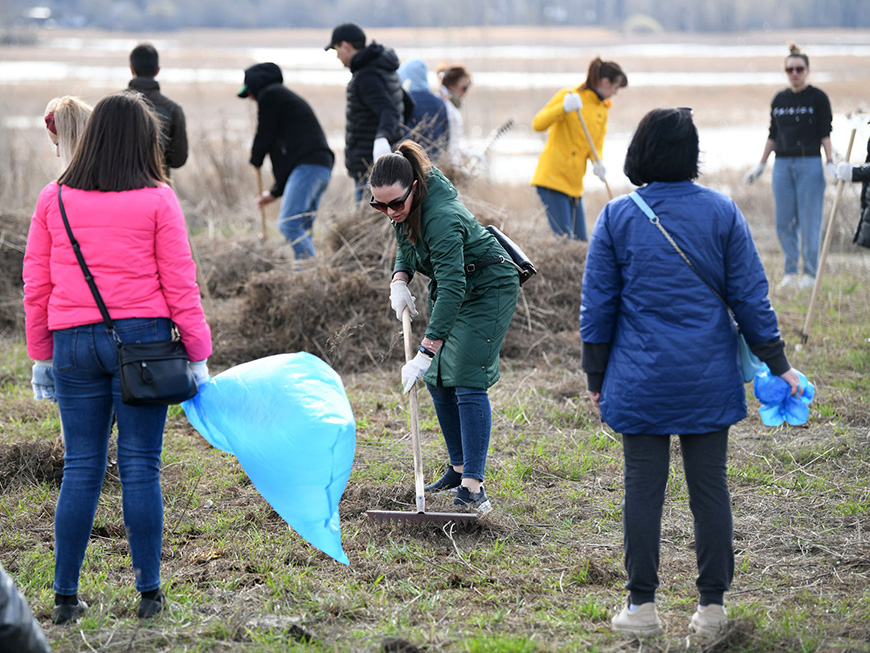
(544, 571)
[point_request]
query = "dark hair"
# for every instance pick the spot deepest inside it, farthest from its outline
(450, 75)
(144, 60)
(599, 70)
(409, 163)
(664, 148)
(119, 149)
(795, 51)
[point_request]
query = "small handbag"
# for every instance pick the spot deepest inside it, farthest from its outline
(152, 373)
(524, 266)
(750, 363)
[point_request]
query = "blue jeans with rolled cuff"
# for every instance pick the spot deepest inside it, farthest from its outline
(647, 464)
(564, 213)
(88, 389)
(465, 418)
(799, 200)
(299, 203)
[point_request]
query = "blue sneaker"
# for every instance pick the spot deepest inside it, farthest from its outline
(469, 500)
(450, 480)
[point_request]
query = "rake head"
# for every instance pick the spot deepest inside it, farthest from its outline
(401, 517)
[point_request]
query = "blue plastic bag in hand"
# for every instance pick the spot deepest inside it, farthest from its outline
(777, 403)
(288, 421)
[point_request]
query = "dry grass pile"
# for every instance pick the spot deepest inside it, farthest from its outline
(13, 237)
(336, 306)
(30, 463)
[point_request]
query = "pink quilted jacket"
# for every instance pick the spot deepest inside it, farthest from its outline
(135, 244)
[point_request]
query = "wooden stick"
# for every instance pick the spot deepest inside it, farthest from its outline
(415, 417)
(595, 156)
(829, 233)
(262, 208)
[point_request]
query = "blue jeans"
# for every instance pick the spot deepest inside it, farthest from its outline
(799, 197)
(564, 213)
(302, 194)
(647, 460)
(465, 417)
(88, 391)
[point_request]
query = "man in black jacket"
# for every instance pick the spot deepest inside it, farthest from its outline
(289, 132)
(376, 104)
(144, 64)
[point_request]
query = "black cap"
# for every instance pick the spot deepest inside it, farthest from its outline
(346, 32)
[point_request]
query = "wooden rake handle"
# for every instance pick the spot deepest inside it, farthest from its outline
(415, 417)
(592, 149)
(829, 233)
(262, 208)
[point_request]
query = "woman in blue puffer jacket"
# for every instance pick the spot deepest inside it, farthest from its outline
(660, 354)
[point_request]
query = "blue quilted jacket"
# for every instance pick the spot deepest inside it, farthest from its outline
(673, 366)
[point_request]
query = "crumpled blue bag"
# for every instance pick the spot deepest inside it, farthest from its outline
(287, 420)
(777, 404)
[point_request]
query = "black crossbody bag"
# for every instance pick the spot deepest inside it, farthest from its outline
(524, 266)
(152, 373)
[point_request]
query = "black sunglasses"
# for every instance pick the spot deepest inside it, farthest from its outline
(395, 205)
(796, 69)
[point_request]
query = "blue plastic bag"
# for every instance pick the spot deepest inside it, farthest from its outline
(777, 403)
(288, 421)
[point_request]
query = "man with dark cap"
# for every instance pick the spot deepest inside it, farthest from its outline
(289, 132)
(376, 103)
(144, 64)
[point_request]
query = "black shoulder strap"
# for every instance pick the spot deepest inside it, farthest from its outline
(84, 266)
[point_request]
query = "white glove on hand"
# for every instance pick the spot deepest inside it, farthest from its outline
(571, 102)
(42, 381)
(844, 171)
(200, 372)
(413, 370)
(753, 175)
(831, 169)
(400, 297)
(381, 147)
(599, 170)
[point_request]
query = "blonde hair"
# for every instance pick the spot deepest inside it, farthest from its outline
(70, 116)
(795, 51)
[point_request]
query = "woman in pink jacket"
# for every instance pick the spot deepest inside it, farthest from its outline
(133, 238)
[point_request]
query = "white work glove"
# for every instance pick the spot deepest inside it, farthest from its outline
(599, 170)
(400, 297)
(753, 175)
(42, 381)
(572, 102)
(414, 369)
(200, 372)
(844, 171)
(831, 169)
(381, 147)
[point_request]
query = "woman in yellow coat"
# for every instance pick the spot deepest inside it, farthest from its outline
(559, 175)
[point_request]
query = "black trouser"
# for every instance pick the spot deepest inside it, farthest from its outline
(647, 459)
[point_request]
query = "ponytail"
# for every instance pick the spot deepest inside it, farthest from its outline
(599, 70)
(409, 163)
(795, 51)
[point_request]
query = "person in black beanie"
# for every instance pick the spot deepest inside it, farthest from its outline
(289, 132)
(145, 64)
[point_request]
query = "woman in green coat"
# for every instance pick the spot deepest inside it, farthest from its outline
(473, 290)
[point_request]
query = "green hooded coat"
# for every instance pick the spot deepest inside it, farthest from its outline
(469, 312)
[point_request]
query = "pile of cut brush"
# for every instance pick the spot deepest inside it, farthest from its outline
(336, 306)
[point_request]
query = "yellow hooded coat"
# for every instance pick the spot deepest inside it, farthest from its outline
(563, 162)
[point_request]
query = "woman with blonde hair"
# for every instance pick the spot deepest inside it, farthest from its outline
(559, 175)
(65, 119)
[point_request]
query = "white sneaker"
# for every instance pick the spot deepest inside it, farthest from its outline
(708, 620)
(787, 280)
(807, 281)
(642, 622)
